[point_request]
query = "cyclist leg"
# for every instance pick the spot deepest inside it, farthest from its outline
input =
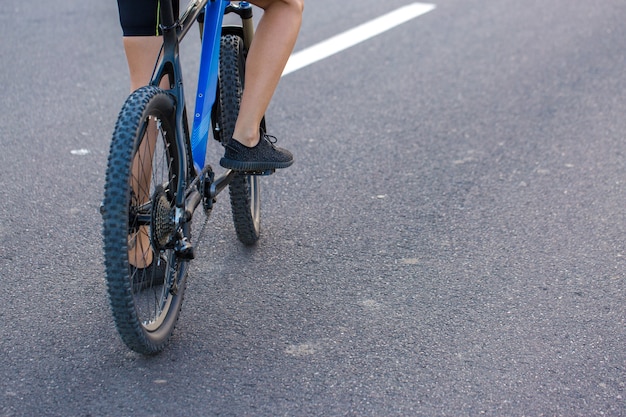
(139, 20)
(273, 43)
(141, 54)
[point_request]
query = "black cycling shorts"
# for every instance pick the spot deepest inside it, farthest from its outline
(141, 17)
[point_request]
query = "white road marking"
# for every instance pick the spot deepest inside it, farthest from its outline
(354, 36)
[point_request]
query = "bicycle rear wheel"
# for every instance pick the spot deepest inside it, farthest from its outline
(145, 280)
(245, 190)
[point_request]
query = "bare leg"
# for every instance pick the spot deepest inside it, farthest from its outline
(139, 249)
(273, 42)
(141, 53)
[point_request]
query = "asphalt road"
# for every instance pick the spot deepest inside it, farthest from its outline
(450, 241)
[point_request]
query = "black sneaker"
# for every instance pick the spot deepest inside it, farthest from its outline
(151, 276)
(264, 156)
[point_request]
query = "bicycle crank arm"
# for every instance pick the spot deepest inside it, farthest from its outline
(220, 183)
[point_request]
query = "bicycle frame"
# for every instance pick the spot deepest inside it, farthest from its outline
(210, 13)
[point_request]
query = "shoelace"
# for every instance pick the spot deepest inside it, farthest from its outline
(269, 138)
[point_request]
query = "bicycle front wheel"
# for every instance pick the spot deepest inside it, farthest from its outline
(145, 279)
(245, 190)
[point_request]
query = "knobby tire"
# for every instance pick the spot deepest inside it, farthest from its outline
(145, 312)
(245, 191)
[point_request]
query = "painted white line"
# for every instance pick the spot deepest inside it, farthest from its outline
(354, 36)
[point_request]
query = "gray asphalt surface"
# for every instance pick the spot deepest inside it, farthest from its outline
(450, 241)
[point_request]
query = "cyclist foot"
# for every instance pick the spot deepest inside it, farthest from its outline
(262, 157)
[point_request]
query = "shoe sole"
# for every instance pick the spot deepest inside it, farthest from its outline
(253, 166)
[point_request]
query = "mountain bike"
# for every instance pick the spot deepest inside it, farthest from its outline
(157, 177)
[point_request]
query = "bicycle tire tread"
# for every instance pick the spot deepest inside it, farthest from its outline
(232, 67)
(115, 225)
